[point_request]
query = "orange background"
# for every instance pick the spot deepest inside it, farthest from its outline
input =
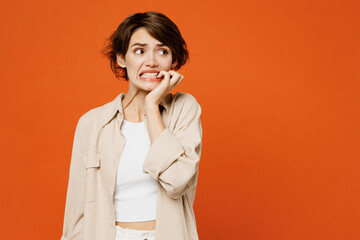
(278, 82)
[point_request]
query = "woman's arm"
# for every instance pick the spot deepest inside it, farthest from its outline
(173, 157)
(154, 121)
(75, 197)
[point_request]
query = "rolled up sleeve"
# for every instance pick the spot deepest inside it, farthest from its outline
(173, 158)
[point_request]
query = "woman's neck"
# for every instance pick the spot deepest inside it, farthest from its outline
(134, 106)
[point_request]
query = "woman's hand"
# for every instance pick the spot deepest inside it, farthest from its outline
(171, 80)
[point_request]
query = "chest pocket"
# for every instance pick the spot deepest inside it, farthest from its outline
(92, 164)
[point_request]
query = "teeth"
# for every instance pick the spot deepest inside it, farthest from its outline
(149, 74)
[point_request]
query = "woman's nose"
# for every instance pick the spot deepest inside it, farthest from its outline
(151, 60)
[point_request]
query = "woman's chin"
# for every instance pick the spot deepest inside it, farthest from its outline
(150, 84)
(149, 88)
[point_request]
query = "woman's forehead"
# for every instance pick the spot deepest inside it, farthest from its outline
(141, 36)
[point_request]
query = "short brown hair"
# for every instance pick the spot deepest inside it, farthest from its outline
(158, 26)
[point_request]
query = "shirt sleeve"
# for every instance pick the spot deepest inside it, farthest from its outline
(74, 206)
(173, 158)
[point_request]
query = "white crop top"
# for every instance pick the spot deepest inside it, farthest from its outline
(135, 192)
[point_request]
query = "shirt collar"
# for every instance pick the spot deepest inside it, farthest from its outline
(115, 106)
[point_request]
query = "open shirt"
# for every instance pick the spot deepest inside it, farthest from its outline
(172, 160)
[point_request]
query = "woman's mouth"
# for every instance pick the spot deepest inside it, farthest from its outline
(150, 77)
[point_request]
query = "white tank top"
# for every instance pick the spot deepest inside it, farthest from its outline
(135, 192)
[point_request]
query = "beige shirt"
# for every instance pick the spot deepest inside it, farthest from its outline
(172, 160)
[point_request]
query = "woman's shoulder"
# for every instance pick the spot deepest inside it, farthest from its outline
(96, 115)
(185, 106)
(185, 99)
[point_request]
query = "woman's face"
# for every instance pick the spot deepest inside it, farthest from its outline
(145, 57)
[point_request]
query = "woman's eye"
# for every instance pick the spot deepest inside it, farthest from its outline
(138, 51)
(164, 52)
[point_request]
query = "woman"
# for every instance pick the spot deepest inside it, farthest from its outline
(134, 163)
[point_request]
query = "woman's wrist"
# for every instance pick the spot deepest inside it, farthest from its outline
(150, 107)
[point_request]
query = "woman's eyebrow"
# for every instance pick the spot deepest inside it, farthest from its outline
(145, 44)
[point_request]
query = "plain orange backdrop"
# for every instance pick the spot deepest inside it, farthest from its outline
(278, 82)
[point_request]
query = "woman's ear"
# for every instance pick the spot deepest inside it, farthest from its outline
(120, 60)
(174, 64)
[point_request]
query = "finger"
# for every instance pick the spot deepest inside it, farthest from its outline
(179, 81)
(175, 75)
(160, 74)
(166, 77)
(173, 72)
(178, 78)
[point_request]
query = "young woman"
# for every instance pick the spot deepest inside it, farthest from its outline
(135, 160)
